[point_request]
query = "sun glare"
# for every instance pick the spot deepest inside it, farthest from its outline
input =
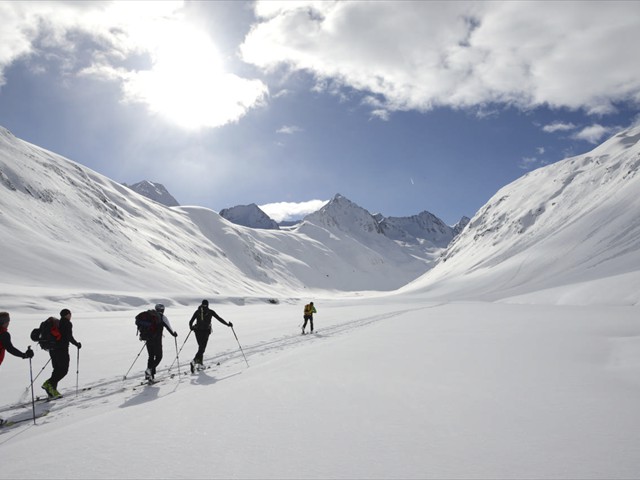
(188, 84)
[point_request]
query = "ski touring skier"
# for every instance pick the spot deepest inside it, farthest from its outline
(5, 340)
(309, 310)
(6, 345)
(154, 342)
(59, 354)
(200, 324)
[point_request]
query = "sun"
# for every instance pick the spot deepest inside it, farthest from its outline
(187, 83)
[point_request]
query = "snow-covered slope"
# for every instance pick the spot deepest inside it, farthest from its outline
(352, 233)
(249, 216)
(155, 191)
(93, 239)
(568, 232)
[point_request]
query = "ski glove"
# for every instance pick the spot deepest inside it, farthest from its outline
(175, 334)
(230, 324)
(28, 354)
(79, 345)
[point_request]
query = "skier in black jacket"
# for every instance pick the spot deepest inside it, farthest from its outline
(154, 344)
(200, 323)
(6, 345)
(5, 340)
(60, 354)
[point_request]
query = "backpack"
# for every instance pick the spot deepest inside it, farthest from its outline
(148, 323)
(47, 334)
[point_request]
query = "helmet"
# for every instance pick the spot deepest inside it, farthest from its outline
(160, 308)
(205, 303)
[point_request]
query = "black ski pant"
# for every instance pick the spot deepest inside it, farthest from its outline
(154, 348)
(60, 362)
(308, 318)
(202, 337)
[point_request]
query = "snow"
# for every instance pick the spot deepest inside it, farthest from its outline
(518, 357)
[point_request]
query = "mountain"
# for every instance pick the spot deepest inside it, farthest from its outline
(568, 232)
(155, 191)
(421, 228)
(249, 216)
(97, 242)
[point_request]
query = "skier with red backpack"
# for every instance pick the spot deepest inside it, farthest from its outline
(5, 340)
(6, 345)
(62, 332)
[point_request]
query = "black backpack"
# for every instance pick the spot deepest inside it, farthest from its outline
(148, 323)
(47, 334)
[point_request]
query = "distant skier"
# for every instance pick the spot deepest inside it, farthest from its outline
(200, 323)
(309, 310)
(154, 341)
(60, 354)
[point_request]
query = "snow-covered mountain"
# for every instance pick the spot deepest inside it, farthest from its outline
(155, 191)
(95, 240)
(417, 229)
(568, 232)
(249, 216)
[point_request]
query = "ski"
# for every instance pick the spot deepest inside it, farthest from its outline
(25, 418)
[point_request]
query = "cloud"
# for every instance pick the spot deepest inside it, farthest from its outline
(421, 55)
(594, 133)
(157, 56)
(289, 129)
(528, 163)
(292, 211)
(558, 127)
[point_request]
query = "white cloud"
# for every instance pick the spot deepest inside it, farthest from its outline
(420, 55)
(528, 163)
(558, 127)
(186, 82)
(281, 211)
(593, 134)
(289, 129)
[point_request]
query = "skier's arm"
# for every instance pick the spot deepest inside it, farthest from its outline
(166, 324)
(221, 320)
(193, 319)
(5, 339)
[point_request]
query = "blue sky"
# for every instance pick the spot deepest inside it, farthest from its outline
(399, 106)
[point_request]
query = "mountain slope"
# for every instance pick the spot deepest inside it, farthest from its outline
(568, 231)
(66, 218)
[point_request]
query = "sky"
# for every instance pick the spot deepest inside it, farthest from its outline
(399, 106)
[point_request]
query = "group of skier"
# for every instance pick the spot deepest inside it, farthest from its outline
(200, 324)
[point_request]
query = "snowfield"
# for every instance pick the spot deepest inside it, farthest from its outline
(386, 388)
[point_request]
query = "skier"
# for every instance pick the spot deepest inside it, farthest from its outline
(5, 340)
(60, 355)
(202, 328)
(309, 310)
(154, 343)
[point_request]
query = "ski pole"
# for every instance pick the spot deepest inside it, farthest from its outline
(234, 334)
(134, 361)
(77, 370)
(33, 398)
(183, 343)
(175, 340)
(34, 379)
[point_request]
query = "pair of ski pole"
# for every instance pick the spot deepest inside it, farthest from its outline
(144, 345)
